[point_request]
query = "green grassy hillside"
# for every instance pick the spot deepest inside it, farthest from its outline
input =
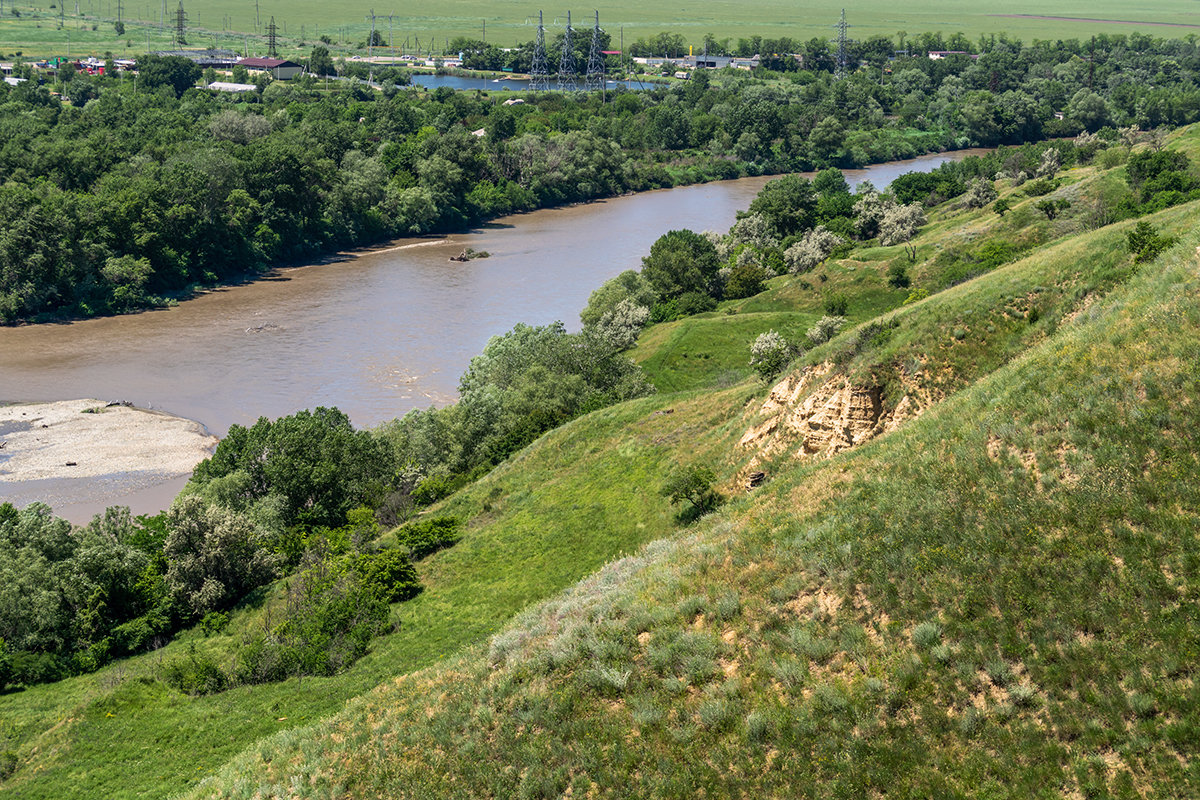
(993, 599)
(710, 350)
(546, 519)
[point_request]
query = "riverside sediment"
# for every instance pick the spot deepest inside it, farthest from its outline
(51, 450)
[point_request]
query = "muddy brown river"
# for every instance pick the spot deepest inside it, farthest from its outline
(376, 334)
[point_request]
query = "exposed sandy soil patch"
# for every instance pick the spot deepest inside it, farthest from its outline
(821, 414)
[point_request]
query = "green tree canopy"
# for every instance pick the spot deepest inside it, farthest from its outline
(177, 72)
(788, 204)
(313, 460)
(680, 262)
(320, 62)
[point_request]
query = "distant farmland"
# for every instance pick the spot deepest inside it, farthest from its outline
(232, 23)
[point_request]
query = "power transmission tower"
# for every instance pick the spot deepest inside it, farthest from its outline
(595, 66)
(566, 64)
(842, 54)
(539, 76)
(256, 16)
(120, 11)
(1092, 63)
(272, 32)
(180, 25)
(371, 51)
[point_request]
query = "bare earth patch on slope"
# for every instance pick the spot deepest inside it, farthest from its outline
(818, 414)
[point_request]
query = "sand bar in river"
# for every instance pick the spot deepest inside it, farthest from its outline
(71, 451)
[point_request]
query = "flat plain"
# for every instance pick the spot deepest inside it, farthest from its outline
(242, 25)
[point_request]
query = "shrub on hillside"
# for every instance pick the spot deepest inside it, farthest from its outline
(629, 285)
(745, 280)
(390, 572)
(1146, 243)
(900, 224)
(897, 276)
(332, 609)
(981, 193)
(681, 262)
(619, 327)
(869, 210)
(214, 556)
(1051, 208)
(427, 536)
(825, 329)
(523, 384)
(692, 485)
(1049, 165)
(1038, 188)
(695, 303)
(836, 304)
(314, 461)
(195, 673)
(811, 250)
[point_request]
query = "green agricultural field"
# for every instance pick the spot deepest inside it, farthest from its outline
(242, 25)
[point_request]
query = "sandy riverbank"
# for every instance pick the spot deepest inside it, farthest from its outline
(64, 453)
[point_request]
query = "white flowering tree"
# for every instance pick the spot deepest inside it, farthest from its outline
(825, 329)
(901, 224)
(770, 354)
(981, 192)
(811, 250)
(621, 325)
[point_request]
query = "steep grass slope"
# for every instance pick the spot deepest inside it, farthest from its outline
(554, 514)
(995, 600)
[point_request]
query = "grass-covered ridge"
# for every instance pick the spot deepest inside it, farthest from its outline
(991, 601)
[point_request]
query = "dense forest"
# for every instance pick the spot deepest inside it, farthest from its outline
(119, 193)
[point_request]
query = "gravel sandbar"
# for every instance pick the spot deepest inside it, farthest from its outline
(89, 438)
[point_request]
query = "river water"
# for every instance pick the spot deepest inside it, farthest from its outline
(377, 333)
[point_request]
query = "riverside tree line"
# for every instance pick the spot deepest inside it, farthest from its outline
(119, 194)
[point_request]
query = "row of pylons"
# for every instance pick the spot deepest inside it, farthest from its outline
(539, 72)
